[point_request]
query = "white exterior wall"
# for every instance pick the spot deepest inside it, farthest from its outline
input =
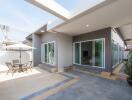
(63, 48)
(49, 37)
(37, 50)
(64, 51)
(8, 56)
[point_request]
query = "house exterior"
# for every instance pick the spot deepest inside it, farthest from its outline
(92, 37)
(100, 50)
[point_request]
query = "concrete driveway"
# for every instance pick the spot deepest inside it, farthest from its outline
(95, 88)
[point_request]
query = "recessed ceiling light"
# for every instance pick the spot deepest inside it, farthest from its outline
(42, 31)
(87, 25)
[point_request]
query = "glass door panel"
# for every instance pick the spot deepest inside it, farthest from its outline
(45, 53)
(51, 53)
(99, 53)
(89, 53)
(77, 53)
(116, 53)
(86, 53)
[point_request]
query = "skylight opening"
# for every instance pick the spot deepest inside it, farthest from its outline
(77, 6)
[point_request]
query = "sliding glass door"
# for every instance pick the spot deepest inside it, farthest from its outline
(49, 53)
(89, 53)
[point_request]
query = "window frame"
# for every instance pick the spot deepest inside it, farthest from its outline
(103, 49)
(43, 46)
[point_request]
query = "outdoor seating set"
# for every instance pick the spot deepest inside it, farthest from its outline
(16, 66)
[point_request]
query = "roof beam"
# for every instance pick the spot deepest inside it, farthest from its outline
(52, 7)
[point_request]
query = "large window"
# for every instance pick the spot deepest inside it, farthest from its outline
(117, 47)
(114, 53)
(48, 53)
(89, 53)
(117, 53)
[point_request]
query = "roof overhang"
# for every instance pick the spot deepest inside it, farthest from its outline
(29, 37)
(110, 13)
(56, 9)
(126, 31)
(41, 30)
(52, 7)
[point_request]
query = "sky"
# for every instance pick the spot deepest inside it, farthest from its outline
(24, 18)
(76, 5)
(69, 4)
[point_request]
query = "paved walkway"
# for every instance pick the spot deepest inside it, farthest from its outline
(95, 88)
(41, 85)
(26, 86)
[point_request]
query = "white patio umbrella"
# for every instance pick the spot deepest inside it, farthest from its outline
(8, 42)
(20, 47)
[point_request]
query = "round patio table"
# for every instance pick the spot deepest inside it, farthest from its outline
(20, 67)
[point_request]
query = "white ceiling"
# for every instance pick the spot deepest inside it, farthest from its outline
(126, 31)
(114, 14)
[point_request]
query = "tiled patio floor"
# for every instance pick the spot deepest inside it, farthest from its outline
(40, 85)
(91, 87)
(23, 85)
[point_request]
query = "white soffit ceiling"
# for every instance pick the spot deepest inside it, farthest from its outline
(115, 14)
(129, 43)
(126, 31)
(110, 13)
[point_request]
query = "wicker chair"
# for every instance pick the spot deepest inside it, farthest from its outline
(11, 68)
(27, 66)
(15, 63)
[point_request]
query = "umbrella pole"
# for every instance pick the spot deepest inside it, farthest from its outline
(20, 56)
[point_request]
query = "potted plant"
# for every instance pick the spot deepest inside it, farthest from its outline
(128, 68)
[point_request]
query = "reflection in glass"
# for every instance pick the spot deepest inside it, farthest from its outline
(49, 54)
(117, 53)
(77, 53)
(86, 53)
(99, 53)
(92, 53)
(45, 53)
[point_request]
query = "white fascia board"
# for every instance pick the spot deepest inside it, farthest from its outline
(52, 7)
(54, 24)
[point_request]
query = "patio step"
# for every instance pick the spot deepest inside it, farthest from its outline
(119, 72)
(85, 68)
(51, 69)
(121, 76)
